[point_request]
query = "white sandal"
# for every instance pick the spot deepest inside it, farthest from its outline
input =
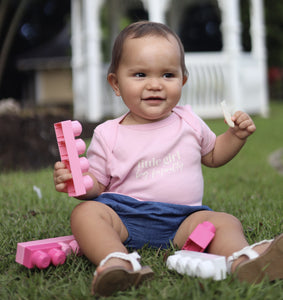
(269, 264)
(115, 279)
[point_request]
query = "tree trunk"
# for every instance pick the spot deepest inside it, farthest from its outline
(4, 8)
(20, 10)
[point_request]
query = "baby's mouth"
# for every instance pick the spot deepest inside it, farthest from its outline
(153, 98)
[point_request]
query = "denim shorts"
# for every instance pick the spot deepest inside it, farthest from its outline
(148, 223)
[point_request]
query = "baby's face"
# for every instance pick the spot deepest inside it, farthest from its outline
(149, 78)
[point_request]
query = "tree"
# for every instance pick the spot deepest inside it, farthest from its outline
(274, 27)
(5, 7)
(24, 26)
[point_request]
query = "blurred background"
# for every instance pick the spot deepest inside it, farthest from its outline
(36, 61)
(36, 34)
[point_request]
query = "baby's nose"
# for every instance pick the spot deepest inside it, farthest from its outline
(154, 84)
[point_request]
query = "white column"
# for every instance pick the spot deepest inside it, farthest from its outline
(259, 52)
(231, 29)
(231, 26)
(94, 101)
(77, 58)
(156, 10)
(257, 29)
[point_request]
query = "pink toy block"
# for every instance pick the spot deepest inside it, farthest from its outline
(200, 237)
(70, 149)
(42, 253)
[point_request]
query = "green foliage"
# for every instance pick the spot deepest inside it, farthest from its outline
(247, 187)
(274, 26)
(273, 10)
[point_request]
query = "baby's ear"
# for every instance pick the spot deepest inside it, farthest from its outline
(185, 78)
(113, 81)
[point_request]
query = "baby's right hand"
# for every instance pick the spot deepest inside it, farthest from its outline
(60, 176)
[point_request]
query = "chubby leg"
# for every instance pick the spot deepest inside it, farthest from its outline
(229, 235)
(99, 232)
(252, 263)
(229, 238)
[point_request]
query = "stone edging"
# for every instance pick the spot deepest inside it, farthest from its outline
(275, 159)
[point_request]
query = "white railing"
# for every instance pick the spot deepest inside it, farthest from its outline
(204, 89)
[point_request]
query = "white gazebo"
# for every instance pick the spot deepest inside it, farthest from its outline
(231, 74)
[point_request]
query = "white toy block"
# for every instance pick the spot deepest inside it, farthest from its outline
(70, 149)
(198, 264)
(227, 114)
(42, 253)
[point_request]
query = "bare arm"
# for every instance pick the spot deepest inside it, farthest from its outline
(230, 143)
(61, 175)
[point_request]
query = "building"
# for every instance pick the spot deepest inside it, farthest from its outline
(47, 72)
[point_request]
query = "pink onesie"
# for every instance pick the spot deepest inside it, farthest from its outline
(159, 161)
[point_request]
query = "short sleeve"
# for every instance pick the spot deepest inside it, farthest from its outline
(205, 135)
(208, 139)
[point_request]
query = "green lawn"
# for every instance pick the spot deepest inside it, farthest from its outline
(247, 187)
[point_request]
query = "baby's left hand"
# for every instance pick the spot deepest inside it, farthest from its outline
(244, 125)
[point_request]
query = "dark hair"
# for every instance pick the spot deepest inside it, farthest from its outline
(138, 30)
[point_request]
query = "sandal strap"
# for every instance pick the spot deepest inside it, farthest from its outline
(131, 257)
(247, 251)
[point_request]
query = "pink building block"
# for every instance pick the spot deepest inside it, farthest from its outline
(70, 149)
(42, 253)
(200, 237)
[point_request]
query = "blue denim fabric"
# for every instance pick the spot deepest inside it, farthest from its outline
(148, 223)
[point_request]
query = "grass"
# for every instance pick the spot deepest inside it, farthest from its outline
(247, 187)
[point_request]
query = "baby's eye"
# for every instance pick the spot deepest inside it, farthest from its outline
(139, 74)
(168, 75)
